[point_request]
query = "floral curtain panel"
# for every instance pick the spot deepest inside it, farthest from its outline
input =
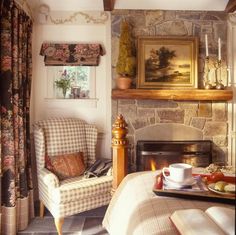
(15, 85)
(71, 54)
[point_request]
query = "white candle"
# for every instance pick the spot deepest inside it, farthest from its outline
(206, 43)
(219, 49)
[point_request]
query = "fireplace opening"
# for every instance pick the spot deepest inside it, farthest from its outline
(152, 155)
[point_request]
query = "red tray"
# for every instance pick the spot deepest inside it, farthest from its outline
(203, 196)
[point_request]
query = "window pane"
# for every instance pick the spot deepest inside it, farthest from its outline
(82, 75)
(75, 79)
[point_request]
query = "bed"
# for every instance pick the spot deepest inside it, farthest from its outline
(136, 210)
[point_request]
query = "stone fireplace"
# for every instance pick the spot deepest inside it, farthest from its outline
(174, 121)
(170, 120)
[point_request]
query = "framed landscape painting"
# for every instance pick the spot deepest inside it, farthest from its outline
(167, 62)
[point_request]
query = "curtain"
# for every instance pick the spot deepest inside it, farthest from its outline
(15, 85)
(82, 54)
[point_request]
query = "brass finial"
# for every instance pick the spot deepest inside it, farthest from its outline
(119, 131)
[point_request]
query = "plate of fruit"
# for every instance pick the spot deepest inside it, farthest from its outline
(222, 187)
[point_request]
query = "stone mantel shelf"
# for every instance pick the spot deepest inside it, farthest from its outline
(168, 94)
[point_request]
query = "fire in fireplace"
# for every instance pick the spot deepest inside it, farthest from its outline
(152, 155)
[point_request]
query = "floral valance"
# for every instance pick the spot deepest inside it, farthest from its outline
(71, 54)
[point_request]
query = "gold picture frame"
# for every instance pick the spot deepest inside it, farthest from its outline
(167, 62)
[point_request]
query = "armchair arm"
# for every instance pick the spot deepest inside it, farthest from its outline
(48, 178)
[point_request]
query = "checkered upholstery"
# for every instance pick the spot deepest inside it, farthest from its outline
(68, 135)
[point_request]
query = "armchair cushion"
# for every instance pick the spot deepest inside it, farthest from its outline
(78, 188)
(66, 166)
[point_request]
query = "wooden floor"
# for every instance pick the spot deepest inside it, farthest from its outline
(86, 223)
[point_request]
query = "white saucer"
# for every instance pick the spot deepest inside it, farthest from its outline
(188, 182)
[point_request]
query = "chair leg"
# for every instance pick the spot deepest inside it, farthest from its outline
(59, 222)
(41, 209)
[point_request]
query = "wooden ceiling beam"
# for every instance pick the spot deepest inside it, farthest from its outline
(231, 6)
(108, 5)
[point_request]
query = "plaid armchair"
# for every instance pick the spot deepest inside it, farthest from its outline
(71, 196)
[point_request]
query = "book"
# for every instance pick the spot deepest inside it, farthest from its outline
(214, 221)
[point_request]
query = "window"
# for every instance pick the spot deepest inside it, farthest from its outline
(71, 82)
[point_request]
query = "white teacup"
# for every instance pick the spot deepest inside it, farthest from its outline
(179, 172)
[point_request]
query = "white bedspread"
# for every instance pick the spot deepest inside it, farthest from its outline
(136, 210)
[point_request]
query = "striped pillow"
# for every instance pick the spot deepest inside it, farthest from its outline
(66, 166)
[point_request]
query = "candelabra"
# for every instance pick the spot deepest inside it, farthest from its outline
(207, 84)
(218, 68)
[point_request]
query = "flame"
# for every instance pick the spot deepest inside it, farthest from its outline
(153, 165)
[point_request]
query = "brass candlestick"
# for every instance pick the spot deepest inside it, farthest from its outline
(218, 67)
(207, 84)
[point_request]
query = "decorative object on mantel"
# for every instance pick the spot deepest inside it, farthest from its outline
(78, 54)
(216, 67)
(126, 63)
(207, 83)
(167, 62)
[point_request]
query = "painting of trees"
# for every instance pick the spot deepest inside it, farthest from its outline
(159, 59)
(165, 55)
(160, 67)
(167, 62)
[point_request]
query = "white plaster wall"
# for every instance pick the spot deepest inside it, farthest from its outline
(99, 113)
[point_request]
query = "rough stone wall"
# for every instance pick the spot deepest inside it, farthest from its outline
(209, 117)
(175, 23)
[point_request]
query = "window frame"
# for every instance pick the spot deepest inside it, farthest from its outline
(52, 75)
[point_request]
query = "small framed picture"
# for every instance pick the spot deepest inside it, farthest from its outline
(167, 62)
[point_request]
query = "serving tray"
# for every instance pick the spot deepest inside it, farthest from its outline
(203, 195)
